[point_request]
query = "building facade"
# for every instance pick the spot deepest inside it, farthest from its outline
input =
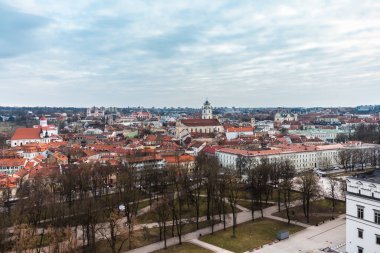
(303, 157)
(363, 213)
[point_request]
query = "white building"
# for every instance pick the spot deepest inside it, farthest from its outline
(327, 135)
(95, 112)
(235, 132)
(303, 157)
(363, 213)
(47, 130)
(12, 165)
(280, 117)
(24, 136)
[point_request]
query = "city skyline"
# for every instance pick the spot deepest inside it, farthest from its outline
(266, 54)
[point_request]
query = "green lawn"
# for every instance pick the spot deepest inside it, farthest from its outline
(320, 210)
(249, 235)
(188, 211)
(184, 248)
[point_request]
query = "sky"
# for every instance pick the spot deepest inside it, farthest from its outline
(259, 53)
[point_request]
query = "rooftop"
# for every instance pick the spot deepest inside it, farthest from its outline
(26, 134)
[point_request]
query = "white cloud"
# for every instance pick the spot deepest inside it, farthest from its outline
(164, 52)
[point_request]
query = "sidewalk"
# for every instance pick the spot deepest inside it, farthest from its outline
(330, 234)
(209, 246)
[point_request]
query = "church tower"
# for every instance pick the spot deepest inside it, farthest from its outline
(207, 110)
(43, 121)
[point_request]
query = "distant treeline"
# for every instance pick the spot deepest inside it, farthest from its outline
(367, 133)
(363, 133)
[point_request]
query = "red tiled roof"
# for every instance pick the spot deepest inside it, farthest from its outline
(179, 159)
(7, 162)
(240, 129)
(26, 134)
(200, 122)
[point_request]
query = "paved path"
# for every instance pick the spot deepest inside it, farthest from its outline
(243, 216)
(274, 209)
(208, 246)
(330, 234)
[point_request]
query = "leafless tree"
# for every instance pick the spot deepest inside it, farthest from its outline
(129, 196)
(287, 173)
(344, 158)
(360, 156)
(232, 180)
(310, 190)
(113, 229)
(163, 216)
(333, 183)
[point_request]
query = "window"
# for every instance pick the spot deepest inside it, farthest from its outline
(378, 239)
(360, 250)
(360, 233)
(377, 217)
(360, 212)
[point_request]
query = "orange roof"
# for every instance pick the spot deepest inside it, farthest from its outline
(7, 162)
(200, 122)
(179, 159)
(26, 134)
(239, 129)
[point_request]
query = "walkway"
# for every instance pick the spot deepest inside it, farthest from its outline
(209, 246)
(330, 234)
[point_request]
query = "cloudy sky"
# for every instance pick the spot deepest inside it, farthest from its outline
(177, 53)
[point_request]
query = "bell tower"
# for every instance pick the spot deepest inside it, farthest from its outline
(207, 110)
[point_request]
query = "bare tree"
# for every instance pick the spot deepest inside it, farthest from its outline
(310, 190)
(197, 178)
(232, 180)
(360, 156)
(344, 158)
(324, 163)
(163, 216)
(287, 173)
(333, 183)
(129, 196)
(113, 229)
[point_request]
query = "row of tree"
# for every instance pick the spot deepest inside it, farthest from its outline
(82, 204)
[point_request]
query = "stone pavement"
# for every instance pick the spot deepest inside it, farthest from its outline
(330, 234)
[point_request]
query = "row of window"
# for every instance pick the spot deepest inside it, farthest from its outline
(360, 214)
(361, 235)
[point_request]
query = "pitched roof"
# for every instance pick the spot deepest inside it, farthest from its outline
(240, 129)
(26, 134)
(10, 162)
(179, 159)
(200, 122)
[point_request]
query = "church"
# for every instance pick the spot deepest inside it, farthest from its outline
(206, 124)
(41, 133)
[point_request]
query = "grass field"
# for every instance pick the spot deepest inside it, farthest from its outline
(249, 235)
(320, 210)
